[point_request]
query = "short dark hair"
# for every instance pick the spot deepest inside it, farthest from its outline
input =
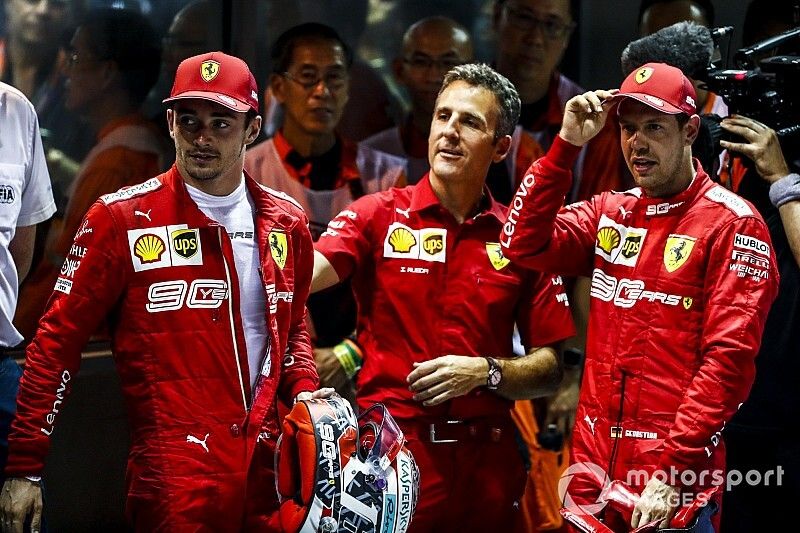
(283, 47)
(128, 39)
(682, 118)
(705, 5)
(482, 75)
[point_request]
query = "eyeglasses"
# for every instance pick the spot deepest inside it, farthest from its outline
(524, 20)
(333, 80)
(423, 62)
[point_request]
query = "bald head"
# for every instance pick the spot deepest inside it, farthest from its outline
(431, 47)
(193, 31)
(660, 14)
(438, 31)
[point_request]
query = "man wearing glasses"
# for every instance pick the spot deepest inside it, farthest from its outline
(532, 36)
(323, 171)
(431, 47)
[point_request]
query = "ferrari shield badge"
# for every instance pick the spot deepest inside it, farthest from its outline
(677, 251)
(495, 254)
(278, 247)
(209, 70)
(643, 74)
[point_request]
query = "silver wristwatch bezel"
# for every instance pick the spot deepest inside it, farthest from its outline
(495, 375)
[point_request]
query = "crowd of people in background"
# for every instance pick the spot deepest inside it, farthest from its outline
(354, 133)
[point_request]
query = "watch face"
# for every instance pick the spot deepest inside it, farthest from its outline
(494, 378)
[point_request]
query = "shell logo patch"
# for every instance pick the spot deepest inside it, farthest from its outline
(643, 74)
(402, 240)
(496, 257)
(209, 70)
(677, 251)
(278, 247)
(617, 243)
(608, 239)
(149, 248)
(164, 246)
(426, 244)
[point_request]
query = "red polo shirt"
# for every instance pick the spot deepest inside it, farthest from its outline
(427, 286)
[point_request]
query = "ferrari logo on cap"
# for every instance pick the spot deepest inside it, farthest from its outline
(209, 70)
(496, 257)
(643, 74)
(677, 251)
(278, 247)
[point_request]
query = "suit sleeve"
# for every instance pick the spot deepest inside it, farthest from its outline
(301, 375)
(346, 244)
(544, 317)
(89, 284)
(541, 235)
(733, 322)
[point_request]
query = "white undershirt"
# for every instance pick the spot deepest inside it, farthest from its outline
(235, 212)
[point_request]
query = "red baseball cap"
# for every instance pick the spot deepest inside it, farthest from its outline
(217, 77)
(662, 87)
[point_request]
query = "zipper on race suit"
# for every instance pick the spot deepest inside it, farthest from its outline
(613, 458)
(232, 322)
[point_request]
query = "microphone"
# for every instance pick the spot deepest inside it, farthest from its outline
(685, 45)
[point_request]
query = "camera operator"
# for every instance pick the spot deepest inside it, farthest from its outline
(761, 436)
(764, 150)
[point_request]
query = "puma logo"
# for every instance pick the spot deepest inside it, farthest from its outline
(141, 214)
(195, 440)
(590, 422)
(403, 212)
(624, 212)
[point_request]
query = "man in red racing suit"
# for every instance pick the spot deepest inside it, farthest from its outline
(683, 275)
(203, 437)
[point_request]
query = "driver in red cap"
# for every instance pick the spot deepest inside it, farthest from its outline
(204, 275)
(682, 277)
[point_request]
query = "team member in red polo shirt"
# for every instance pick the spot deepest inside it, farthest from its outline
(437, 305)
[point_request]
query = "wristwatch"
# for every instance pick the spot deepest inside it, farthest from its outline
(495, 374)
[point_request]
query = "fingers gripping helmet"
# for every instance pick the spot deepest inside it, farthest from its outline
(335, 472)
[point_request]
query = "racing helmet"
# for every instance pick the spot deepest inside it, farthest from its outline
(335, 472)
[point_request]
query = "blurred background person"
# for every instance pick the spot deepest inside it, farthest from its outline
(311, 162)
(532, 36)
(431, 47)
(195, 29)
(114, 62)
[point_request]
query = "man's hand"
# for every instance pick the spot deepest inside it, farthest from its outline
(761, 146)
(659, 501)
(325, 392)
(20, 497)
(331, 373)
(584, 116)
(561, 406)
(446, 377)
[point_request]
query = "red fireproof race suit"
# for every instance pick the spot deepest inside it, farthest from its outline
(202, 441)
(680, 290)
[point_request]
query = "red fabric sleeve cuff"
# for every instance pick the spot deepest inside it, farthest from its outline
(304, 384)
(339, 262)
(563, 154)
